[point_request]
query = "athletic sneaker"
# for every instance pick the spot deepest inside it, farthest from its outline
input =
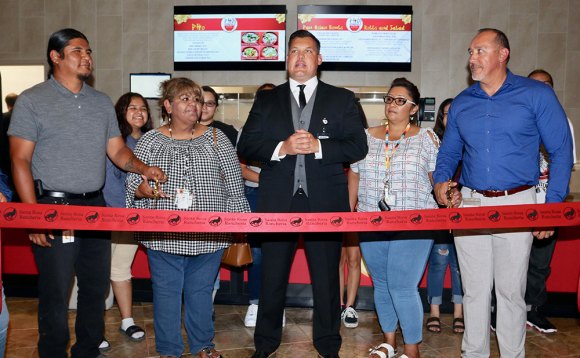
(539, 322)
(252, 316)
(349, 317)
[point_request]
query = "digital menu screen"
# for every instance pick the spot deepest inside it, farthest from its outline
(229, 37)
(361, 38)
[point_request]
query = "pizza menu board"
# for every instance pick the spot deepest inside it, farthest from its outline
(230, 38)
(361, 37)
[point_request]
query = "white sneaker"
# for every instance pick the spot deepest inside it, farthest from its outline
(349, 317)
(251, 316)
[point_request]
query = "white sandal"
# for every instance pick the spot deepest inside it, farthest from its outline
(381, 354)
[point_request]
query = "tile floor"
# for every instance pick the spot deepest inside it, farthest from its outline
(235, 341)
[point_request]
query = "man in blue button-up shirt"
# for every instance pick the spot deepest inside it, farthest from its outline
(495, 126)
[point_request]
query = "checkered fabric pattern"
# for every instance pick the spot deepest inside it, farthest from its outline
(211, 173)
(408, 176)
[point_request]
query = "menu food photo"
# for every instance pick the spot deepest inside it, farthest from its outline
(229, 38)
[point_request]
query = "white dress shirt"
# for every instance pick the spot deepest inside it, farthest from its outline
(311, 85)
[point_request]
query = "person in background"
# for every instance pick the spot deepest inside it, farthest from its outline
(133, 119)
(303, 173)
(203, 175)
(396, 175)
(61, 132)
(495, 128)
(251, 175)
(5, 196)
(5, 163)
(350, 258)
(443, 255)
(210, 106)
(542, 250)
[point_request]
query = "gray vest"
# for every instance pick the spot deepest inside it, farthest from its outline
(301, 120)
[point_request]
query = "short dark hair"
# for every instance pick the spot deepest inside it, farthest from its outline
(265, 86)
(216, 97)
(411, 88)
(500, 38)
(439, 127)
(10, 99)
(121, 110)
(303, 34)
(543, 72)
(58, 41)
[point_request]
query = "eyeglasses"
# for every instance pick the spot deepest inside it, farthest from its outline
(210, 104)
(399, 101)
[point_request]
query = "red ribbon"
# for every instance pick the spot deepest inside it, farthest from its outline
(45, 216)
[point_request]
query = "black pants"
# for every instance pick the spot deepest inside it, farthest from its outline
(539, 270)
(89, 256)
(323, 256)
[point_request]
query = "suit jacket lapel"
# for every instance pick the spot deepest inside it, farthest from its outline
(284, 98)
(317, 112)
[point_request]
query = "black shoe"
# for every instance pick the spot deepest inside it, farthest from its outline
(328, 356)
(539, 322)
(493, 321)
(261, 354)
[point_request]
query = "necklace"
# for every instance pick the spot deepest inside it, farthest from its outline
(394, 149)
(171, 131)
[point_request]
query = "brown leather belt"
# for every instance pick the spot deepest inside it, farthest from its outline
(496, 193)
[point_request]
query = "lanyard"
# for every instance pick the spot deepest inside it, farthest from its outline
(389, 157)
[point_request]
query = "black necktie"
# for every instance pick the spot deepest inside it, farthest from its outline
(302, 97)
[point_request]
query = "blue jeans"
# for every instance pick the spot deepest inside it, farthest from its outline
(4, 317)
(396, 268)
(441, 256)
(192, 276)
(255, 269)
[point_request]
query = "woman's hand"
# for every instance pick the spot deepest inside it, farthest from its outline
(144, 190)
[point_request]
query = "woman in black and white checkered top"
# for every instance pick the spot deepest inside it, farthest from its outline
(203, 175)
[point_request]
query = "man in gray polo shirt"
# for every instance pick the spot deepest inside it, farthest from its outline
(60, 134)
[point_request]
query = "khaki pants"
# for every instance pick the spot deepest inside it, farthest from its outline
(500, 256)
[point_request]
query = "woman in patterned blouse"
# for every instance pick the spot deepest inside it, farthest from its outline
(396, 175)
(203, 175)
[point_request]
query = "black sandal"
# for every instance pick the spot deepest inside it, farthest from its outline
(131, 330)
(458, 325)
(433, 325)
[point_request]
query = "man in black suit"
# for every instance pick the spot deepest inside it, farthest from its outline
(304, 130)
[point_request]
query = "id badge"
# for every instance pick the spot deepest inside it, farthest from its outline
(390, 196)
(324, 133)
(183, 198)
(68, 236)
(471, 202)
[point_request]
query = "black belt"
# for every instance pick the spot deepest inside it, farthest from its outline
(65, 195)
(496, 193)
